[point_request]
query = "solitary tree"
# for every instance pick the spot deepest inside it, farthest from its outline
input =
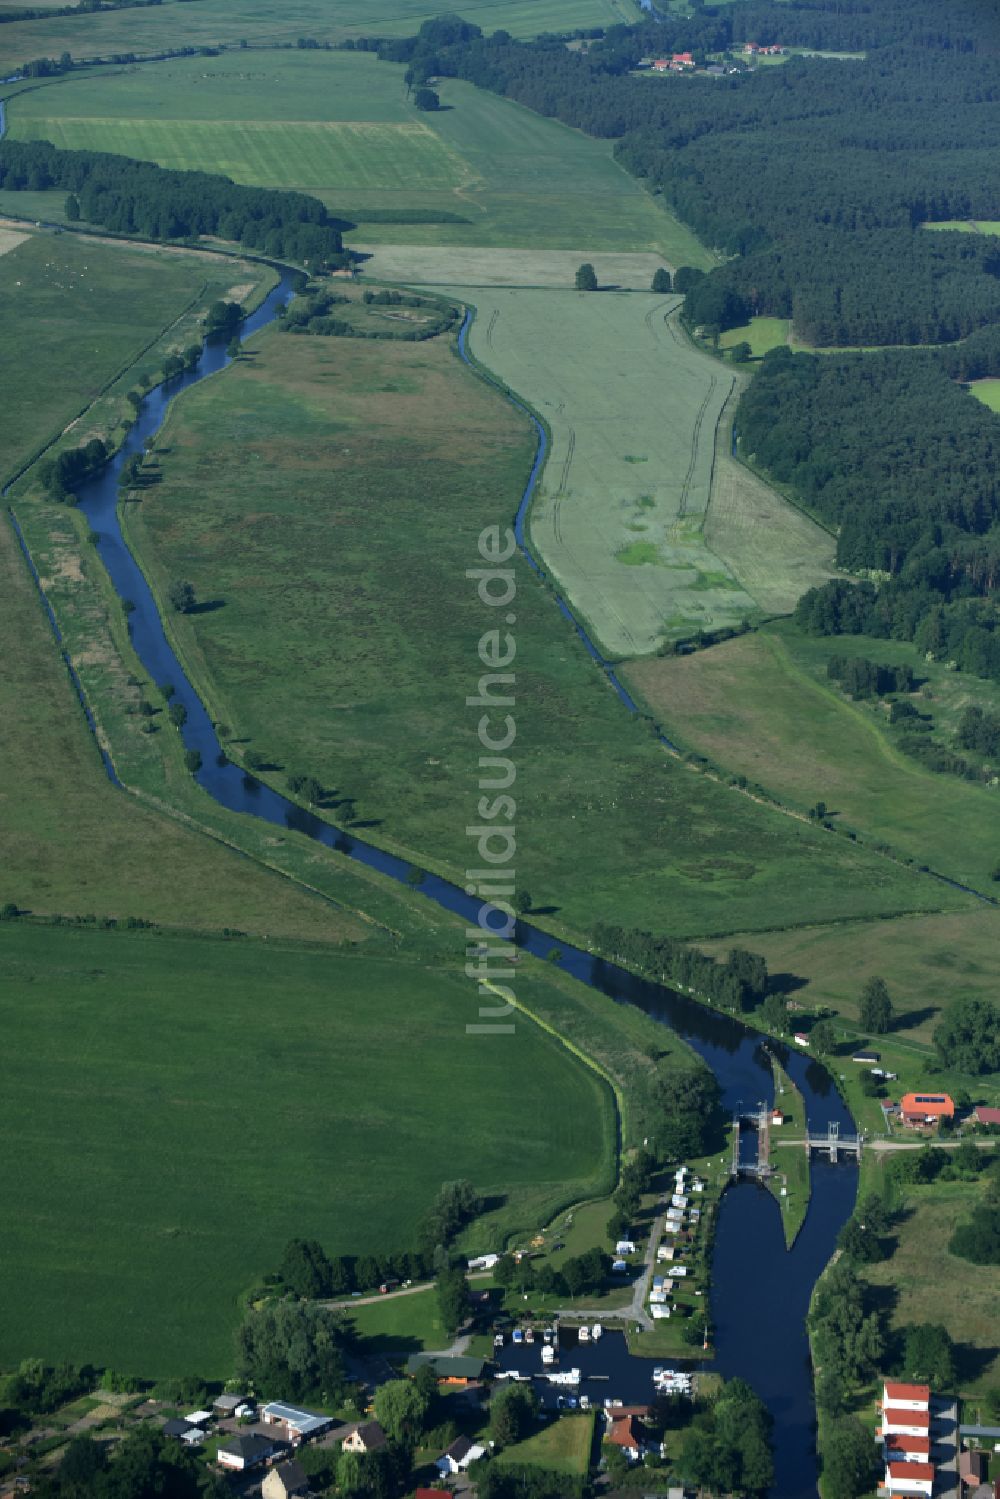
(453, 1299)
(661, 281)
(400, 1408)
(72, 208)
(741, 352)
(823, 1036)
(181, 596)
(586, 277)
(522, 902)
(876, 1007)
(426, 99)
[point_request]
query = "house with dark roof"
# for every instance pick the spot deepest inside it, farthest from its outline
(973, 1467)
(459, 1370)
(176, 1428)
(285, 1481)
(368, 1436)
(459, 1456)
(248, 1451)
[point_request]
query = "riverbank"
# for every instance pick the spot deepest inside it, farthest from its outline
(790, 1179)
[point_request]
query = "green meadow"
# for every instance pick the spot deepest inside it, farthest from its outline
(987, 391)
(562, 1447)
(762, 707)
(761, 333)
(639, 453)
(307, 491)
(268, 23)
(86, 312)
(339, 125)
(180, 1108)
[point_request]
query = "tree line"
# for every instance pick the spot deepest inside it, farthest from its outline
(140, 198)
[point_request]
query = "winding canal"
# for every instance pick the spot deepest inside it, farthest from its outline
(760, 1291)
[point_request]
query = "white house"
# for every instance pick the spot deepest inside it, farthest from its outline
(625, 1246)
(910, 1397)
(244, 1452)
(665, 1252)
(285, 1481)
(678, 1200)
(620, 1267)
(909, 1478)
(459, 1456)
(905, 1423)
(679, 1270)
(657, 1298)
(366, 1437)
(484, 1262)
(659, 1312)
(907, 1449)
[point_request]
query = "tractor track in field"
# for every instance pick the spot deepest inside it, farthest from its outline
(695, 435)
(561, 487)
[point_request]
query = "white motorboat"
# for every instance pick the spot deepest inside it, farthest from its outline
(583, 1335)
(548, 1354)
(596, 1331)
(564, 1377)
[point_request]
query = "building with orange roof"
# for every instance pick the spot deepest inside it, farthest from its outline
(622, 1433)
(909, 1479)
(897, 1421)
(913, 1397)
(926, 1108)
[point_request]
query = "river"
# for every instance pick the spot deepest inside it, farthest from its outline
(760, 1291)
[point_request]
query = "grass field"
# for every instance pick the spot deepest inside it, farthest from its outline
(265, 22)
(761, 333)
(340, 125)
(338, 540)
(987, 391)
(72, 844)
(193, 1085)
(402, 1324)
(622, 514)
(926, 961)
(923, 1282)
(84, 310)
(564, 1446)
(755, 709)
(447, 265)
(967, 226)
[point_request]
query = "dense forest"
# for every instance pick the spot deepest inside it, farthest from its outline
(816, 175)
(139, 198)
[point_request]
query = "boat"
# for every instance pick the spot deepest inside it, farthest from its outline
(547, 1335)
(583, 1334)
(565, 1376)
(548, 1354)
(585, 1402)
(529, 1335)
(596, 1331)
(498, 1340)
(518, 1335)
(571, 1402)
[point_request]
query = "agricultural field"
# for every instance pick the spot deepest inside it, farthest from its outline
(187, 1082)
(339, 125)
(86, 311)
(447, 265)
(754, 708)
(987, 391)
(622, 514)
(923, 1282)
(267, 23)
(305, 490)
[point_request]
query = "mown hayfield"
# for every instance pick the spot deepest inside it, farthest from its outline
(623, 512)
(447, 265)
(264, 22)
(330, 493)
(202, 1102)
(987, 391)
(967, 226)
(755, 711)
(339, 125)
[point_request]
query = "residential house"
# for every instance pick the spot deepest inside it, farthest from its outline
(625, 1246)
(909, 1479)
(910, 1397)
(680, 61)
(905, 1449)
(459, 1456)
(925, 1108)
(866, 1058)
(900, 1422)
(226, 1405)
(433, 1494)
(285, 1481)
(199, 1418)
(983, 1115)
(368, 1436)
(777, 1116)
(623, 1433)
(973, 1467)
(298, 1423)
(247, 1451)
(800, 1037)
(661, 64)
(177, 1428)
(460, 1371)
(484, 1262)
